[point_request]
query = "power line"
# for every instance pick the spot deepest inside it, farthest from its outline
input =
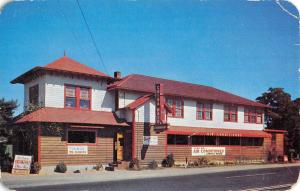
(92, 37)
(71, 29)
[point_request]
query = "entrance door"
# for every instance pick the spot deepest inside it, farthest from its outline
(120, 146)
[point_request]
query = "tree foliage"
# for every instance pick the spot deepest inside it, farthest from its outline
(283, 115)
(7, 109)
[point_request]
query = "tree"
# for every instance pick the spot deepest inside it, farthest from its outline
(7, 109)
(283, 115)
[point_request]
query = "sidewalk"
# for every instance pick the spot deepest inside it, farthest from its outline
(102, 176)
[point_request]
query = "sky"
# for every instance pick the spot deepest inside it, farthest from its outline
(243, 47)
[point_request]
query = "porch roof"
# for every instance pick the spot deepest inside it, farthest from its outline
(61, 115)
(216, 132)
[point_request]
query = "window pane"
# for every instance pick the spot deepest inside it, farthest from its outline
(246, 118)
(258, 141)
(81, 137)
(197, 140)
(226, 117)
(34, 95)
(233, 117)
(70, 92)
(85, 104)
(247, 141)
(70, 102)
(171, 139)
(200, 115)
(181, 139)
(207, 115)
(178, 112)
(235, 141)
(210, 140)
(224, 140)
(84, 94)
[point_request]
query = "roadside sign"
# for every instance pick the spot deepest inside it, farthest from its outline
(22, 164)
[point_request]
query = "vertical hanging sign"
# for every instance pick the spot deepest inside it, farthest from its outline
(160, 118)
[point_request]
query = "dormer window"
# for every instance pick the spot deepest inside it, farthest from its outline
(77, 97)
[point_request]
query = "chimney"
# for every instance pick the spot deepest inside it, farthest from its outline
(117, 75)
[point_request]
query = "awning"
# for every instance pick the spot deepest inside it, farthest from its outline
(61, 115)
(216, 132)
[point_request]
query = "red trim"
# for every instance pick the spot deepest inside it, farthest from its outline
(133, 135)
(77, 96)
(88, 144)
(39, 144)
(275, 131)
(204, 110)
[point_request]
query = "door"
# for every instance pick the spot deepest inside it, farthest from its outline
(120, 146)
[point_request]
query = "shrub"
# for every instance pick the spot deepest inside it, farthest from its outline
(98, 166)
(153, 165)
(134, 164)
(168, 161)
(61, 167)
(35, 168)
(202, 161)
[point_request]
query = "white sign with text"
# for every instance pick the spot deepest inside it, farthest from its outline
(208, 151)
(22, 162)
(77, 150)
(150, 140)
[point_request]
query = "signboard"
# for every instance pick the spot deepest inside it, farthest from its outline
(22, 162)
(208, 151)
(77, 150)
(150, 140)
(160, 117)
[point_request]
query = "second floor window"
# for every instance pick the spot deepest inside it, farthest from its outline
(177, 107)
(77, 97)
(253, 116)
(34, 95)
(230, 113)
(204, 111)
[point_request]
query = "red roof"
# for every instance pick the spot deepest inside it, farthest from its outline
(62, 65)
(139, 101)
(216, 132)
(61, 115)
(136, 82)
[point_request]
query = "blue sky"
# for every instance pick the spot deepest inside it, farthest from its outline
(237, 46)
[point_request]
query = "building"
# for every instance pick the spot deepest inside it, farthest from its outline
(85, 117)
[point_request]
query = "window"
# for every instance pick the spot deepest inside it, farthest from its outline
(77, 97)
(81, 136)
(71, 97)
(253, 115)
(204, 111)
(252, 141)
(230, 113)
(178, 140)
(177, 107)
(224, 141)
(34, 95)
(210, 140)
(198, 140)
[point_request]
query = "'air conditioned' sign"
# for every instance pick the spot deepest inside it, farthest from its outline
(208, 151)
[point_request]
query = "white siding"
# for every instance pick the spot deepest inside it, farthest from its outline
(126, 97)
(41, 82)
(146, 113)
(54, 91)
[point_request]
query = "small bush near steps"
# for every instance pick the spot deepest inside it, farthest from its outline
(153, 165)
(61, 167)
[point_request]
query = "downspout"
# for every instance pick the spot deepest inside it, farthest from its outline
(133, 135)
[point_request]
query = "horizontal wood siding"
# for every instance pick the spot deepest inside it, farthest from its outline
(55, 149)
(147, 153)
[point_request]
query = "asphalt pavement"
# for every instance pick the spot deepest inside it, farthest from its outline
(275, 178)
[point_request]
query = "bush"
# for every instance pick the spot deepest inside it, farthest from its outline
(153, 165)
(61, 167)
(202, 161)
(134, 164)
(35, 168)
(98, 166)
(168, 161)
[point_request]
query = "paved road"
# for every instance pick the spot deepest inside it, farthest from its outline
(261, 179)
